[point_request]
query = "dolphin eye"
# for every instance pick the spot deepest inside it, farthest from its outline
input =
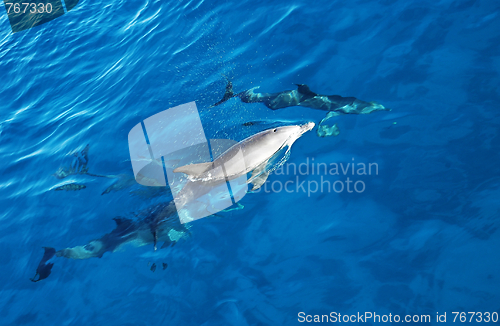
(275, 130)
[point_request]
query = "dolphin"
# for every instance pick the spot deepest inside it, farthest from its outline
(256, 149)
(158, 223)
(44, 267)
(303, 96)
(252, 154)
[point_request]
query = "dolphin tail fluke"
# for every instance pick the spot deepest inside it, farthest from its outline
(229, 93)
(43, 270)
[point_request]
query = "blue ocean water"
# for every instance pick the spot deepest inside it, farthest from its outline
(422, 238)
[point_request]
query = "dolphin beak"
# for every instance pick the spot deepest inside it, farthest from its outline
(306, 127)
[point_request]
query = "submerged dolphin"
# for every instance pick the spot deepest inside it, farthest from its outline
(158, 223)
(303, 96)
(250, 155)
(155, 224)
(161, 223)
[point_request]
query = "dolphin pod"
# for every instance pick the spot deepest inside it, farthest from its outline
(160, 223)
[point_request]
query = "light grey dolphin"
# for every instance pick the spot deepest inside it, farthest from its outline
(249, 155)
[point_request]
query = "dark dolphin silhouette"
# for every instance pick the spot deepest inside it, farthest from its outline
(158, 223)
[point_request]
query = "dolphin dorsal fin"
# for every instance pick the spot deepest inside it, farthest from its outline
(304, 90)
(194, 170)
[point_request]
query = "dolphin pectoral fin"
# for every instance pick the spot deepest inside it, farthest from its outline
(258, 171)
(326, 131)
(259, 180)
(194, 170)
